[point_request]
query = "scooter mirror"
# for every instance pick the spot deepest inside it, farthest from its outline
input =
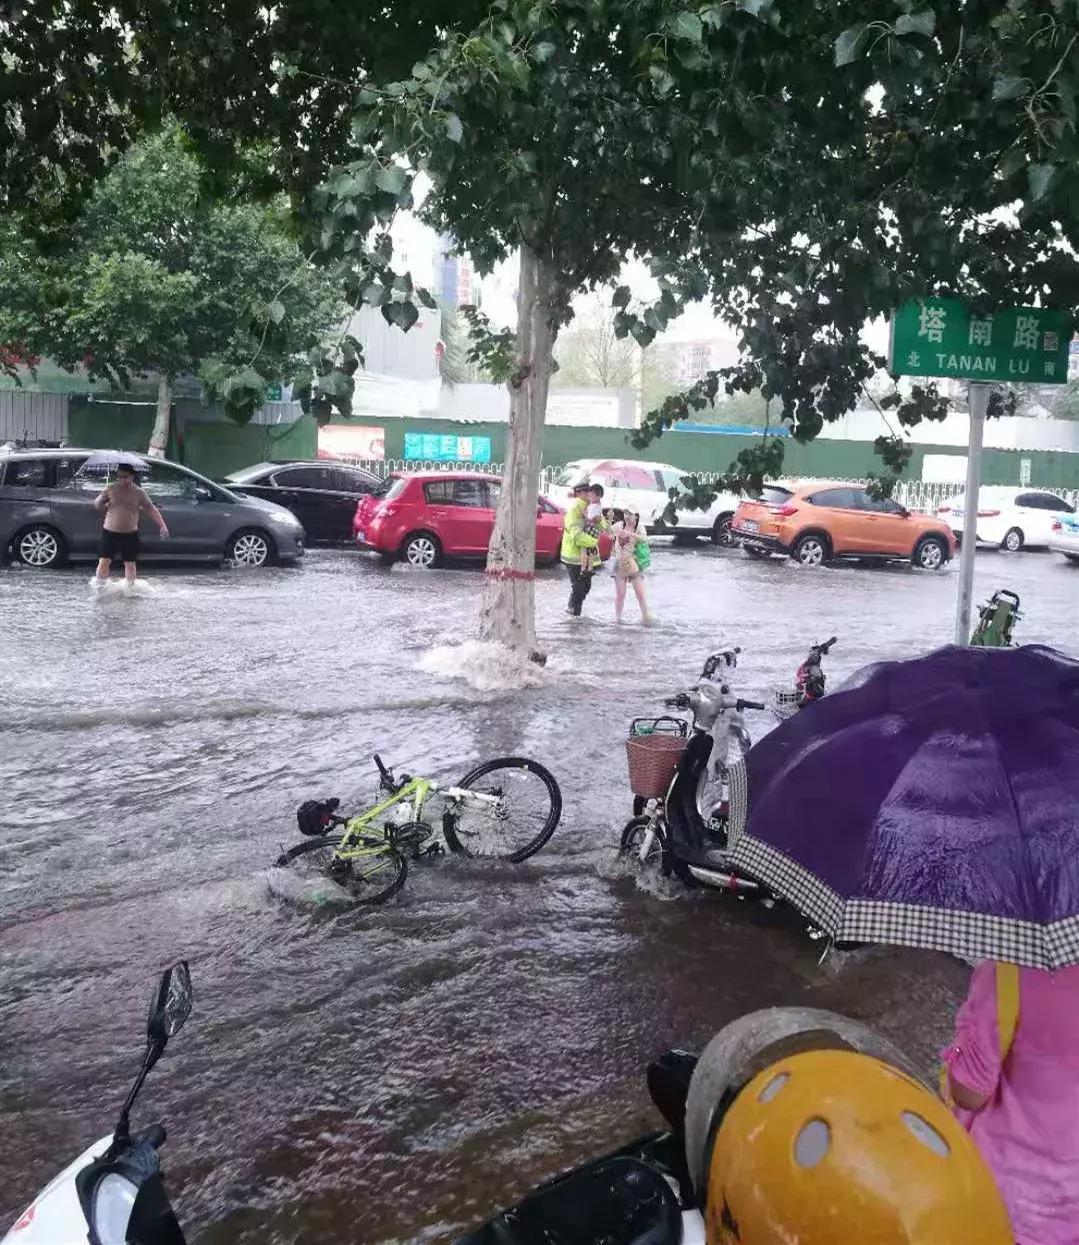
(170, 1005)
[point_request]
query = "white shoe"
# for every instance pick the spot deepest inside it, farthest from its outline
(647, 620)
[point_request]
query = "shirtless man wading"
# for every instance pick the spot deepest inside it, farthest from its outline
(121, 503)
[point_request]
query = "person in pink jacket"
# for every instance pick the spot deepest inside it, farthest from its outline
(1022, 1109)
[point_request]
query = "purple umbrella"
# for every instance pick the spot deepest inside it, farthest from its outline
(933, 803)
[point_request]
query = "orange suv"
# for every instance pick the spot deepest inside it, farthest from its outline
(814, 523)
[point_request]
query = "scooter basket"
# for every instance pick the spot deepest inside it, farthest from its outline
(785, 702)
(652, 762)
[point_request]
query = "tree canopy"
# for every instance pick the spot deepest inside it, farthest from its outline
(159, 277)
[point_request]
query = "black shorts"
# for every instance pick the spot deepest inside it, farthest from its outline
(120, 545)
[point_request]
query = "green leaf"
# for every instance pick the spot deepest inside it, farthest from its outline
(421, 71)
(366, 98)
(850, 45)
(1009, 88)
(621, 296)
(1041, 178)
(454, 128)
(427, 299)
(1013, 161)
(712, 15)
(372, 294)
(391, 179)
(754, 7)
(923, 23)
(277, 311)
(543, 52)
(408, 315)
(687, 26)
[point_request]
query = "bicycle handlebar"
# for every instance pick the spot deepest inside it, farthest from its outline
(383, 771)
(823, 648)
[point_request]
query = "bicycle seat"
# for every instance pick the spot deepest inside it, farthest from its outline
(616, 1201)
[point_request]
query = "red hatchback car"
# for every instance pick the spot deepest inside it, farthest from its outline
(429, 516)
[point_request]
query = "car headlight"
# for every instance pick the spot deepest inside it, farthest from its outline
(114, 1199)
(286, 520)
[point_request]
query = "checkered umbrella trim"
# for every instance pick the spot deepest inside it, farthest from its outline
(969, 935)
(738, 798)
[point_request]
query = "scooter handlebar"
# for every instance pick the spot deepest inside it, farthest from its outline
(750, 704)
(827, 644)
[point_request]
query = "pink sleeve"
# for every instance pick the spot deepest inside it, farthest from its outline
(974, 1055)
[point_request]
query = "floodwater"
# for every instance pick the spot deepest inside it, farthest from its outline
(389, 1075)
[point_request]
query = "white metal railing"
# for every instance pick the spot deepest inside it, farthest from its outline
(917, 495)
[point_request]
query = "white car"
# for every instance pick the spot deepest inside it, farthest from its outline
(1064, 536)
(1008, 517)
(629, 484)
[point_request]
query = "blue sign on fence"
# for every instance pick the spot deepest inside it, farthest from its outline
(446, 448)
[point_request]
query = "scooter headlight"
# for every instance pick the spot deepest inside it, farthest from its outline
(114, 1199)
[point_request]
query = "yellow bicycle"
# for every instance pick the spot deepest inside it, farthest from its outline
(505, 809)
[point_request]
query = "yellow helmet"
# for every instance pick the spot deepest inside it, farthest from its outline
(834, 1147)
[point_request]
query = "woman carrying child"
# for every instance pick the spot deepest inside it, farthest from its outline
(631, 558)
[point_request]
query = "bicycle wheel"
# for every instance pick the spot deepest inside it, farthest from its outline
(633, 839)
(368, 879)
(528, 810)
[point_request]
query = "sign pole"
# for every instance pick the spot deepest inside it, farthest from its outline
(978, 401)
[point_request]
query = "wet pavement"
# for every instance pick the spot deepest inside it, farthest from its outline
(389, 1075)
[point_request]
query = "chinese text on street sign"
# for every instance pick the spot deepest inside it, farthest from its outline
(940, 337)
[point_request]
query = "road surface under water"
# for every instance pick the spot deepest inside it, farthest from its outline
(395, 1074)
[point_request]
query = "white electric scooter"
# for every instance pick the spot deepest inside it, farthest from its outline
(114, 1193)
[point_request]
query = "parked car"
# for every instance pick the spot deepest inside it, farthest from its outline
(814, 523)
(426, 517)
(644, 487)
(1009, 517)
(1064, 536)
(47, 514)
(321, 495)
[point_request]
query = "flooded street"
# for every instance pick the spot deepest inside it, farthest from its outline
(392, 1074)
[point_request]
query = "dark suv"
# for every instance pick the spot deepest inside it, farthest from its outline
(47, 514)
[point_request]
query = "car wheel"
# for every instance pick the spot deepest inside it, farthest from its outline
(1013, 540)
(421, 549)
(249, 547)
(721, 531)
(40, 546)
(810, 550)
(1072, 557)
(930, 553)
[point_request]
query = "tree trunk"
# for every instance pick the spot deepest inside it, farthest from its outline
(508, 615)
(159, 438)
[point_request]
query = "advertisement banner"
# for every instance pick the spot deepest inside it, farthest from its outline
(446, 448)
(351, 441)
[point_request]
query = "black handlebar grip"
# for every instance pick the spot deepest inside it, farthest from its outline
(828, 643)
(381, 768)
(751, 704)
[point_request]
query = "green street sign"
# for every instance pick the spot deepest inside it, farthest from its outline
(940, 337)
(273, 393)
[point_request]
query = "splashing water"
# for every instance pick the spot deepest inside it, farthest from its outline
(486, 666)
